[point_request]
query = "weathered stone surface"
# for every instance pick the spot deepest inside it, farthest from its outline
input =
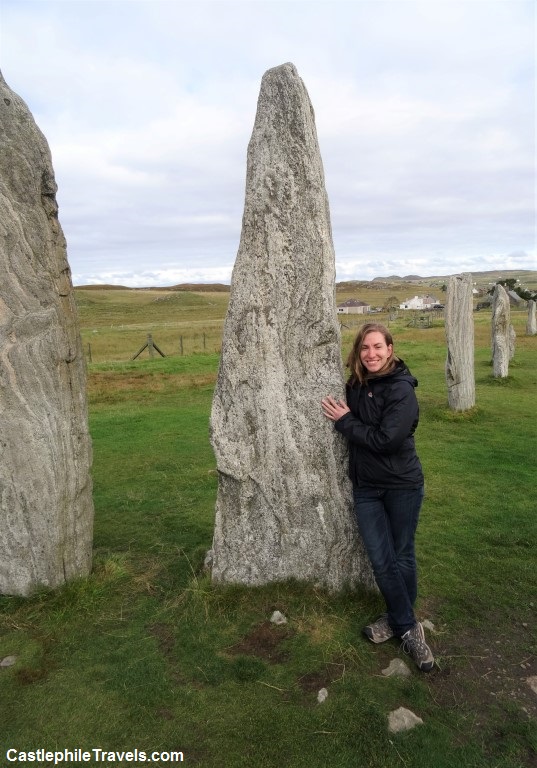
(46, 508)
(459, 326)
(512, 341)
(531, 324)
(501, 317)
(284, 502)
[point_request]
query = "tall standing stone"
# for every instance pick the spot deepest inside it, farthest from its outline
(531, 324)
(459, 326)
(46, 508)
(501, 322)
(512, 341)
(284, 502)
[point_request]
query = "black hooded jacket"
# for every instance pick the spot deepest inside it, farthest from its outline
(380, 431)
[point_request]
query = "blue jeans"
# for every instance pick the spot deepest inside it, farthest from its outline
(387, 520)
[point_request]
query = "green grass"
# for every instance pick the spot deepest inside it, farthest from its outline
(146, 653)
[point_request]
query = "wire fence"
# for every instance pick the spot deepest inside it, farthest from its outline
(102, 350)
(121, 343)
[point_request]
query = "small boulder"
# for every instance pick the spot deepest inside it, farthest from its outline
(8, 661)
(396, 668)
(428, 625)
(402, 720)
(278, 618)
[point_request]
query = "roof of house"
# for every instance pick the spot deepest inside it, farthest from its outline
(514, 297)
(353, 303)
(423, 299)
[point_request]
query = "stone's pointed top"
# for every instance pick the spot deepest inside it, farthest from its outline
(283, 84)
(287, 68)
(284, 128)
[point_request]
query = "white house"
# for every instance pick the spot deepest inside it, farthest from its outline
(353, 307)
(419, 302)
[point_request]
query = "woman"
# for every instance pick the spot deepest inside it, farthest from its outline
(379, 421)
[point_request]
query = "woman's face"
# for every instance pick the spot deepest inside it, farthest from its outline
(375, 353)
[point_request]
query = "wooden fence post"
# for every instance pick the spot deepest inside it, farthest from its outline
(151, 346)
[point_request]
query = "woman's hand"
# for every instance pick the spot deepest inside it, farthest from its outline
(334, 409)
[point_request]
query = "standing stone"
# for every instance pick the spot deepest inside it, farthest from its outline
(284, 501)
(512, 341)
(501, 316)
(46, 508)
(531, 325)
(459, 325)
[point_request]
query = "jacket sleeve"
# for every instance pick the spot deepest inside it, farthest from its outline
(398, 421)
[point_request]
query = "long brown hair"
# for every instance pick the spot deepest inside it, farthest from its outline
(358, 371)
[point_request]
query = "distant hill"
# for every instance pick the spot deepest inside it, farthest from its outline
(492, 275)
(200, 287)
(397, 279)
(103, 287)
(526, 276)
(192, 287)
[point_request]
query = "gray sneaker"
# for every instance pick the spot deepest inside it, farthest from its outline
(379, 631)
(415, 645)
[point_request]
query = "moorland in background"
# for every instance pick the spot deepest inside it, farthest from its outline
(187, 318)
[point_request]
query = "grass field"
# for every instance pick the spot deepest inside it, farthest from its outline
(147, 654)
(115, 323)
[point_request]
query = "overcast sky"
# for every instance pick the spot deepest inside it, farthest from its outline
(425, 113)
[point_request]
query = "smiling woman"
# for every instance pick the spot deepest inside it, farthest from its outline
(379, 421)
(372, 351)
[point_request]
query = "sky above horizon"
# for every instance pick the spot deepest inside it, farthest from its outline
(425, 114)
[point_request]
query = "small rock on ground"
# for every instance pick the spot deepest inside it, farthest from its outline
(402, 720)
(428, 625)
(396, 668)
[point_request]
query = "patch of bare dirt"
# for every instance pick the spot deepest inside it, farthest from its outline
(312, 682)
(263, 641)
(474, 671)
(164, 635)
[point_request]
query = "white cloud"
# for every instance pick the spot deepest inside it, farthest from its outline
(157, 278)
(425, 116)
